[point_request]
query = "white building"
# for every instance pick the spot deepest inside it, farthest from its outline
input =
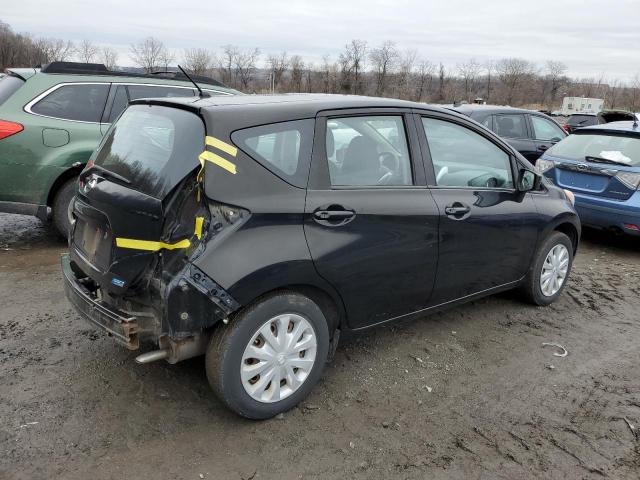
(581, 105)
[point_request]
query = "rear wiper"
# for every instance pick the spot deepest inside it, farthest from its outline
(108, 173)
(589, 158)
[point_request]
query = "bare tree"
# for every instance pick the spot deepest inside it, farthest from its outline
(612, 93)
(87, 51)
(297, 70)
(109, 57)
(442, 80)
(424, 79)
(512, 73)
(384, 60)
(469, 72)
(278, 64)
(198, 60)
(352, 64)
(404, 77)
(489, 67)
(226, 62)
(244, 65)
(555, 78)
(54, 49)
(148, 54)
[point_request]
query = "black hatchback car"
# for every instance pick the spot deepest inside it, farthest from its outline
(256, 229)
(531, 133)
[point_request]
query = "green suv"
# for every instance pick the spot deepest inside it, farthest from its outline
(51, 120)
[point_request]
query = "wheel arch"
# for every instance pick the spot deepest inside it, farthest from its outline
(331, 306)
(63, 178)
(570, 231)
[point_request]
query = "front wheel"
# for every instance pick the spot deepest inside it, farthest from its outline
(550, 270)
(270, 356)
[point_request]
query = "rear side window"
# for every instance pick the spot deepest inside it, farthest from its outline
(154, 148)
(511, 126)
(8, 86)
(153, 91)
(82, 102)
(284, 148)
(368, 151)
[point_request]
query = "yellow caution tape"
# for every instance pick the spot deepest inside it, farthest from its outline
(198, 230)
(218, 160)
(220, 145)
(150, 245)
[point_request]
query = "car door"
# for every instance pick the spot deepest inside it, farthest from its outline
(513, 128)
(371, 223)
(546, 133)
(487, 228)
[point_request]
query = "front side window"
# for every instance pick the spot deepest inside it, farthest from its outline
(284, 148)
(463, 158)
(368, 151)
(81, 102)
(153, 148)
(544, 129)
(511, 126)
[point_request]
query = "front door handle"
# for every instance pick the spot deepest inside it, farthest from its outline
(333, 215)
(457, 209)
(543, 148)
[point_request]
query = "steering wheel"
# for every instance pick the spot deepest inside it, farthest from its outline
(391, 161)
(443, 171)
(385, 179)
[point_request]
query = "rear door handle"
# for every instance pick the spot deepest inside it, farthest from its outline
(457, 209)
(542, 148)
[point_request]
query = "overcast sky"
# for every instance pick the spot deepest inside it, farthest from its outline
(592, 37)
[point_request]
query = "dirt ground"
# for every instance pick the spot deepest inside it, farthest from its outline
(470, 393)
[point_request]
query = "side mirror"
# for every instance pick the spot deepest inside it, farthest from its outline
(527, 180)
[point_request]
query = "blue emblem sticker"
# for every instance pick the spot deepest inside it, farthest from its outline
(117, 282)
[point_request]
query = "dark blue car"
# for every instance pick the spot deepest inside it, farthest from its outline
(601, 166)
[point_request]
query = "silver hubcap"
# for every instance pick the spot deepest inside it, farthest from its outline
(554, 270)
(278, 358)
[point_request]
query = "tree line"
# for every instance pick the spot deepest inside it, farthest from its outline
(360, 69)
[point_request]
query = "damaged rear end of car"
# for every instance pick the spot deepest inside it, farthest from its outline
(141, 220)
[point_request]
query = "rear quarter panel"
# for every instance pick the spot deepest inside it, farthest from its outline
(28, 167)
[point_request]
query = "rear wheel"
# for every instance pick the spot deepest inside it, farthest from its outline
(61, 202)
(270, 356)
(550, 270)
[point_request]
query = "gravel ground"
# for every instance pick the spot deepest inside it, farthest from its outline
(470, 393)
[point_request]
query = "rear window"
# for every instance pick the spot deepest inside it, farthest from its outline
(154, 147)
(82, 102)
(284, 148)
(582, 120)
(8, 86)
(623, 150)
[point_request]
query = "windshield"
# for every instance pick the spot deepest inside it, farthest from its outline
(152, 147)
(8, 86)
(619, 149)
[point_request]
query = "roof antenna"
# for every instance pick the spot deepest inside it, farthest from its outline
(201, 94)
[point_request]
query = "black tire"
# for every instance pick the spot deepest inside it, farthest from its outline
(64, 195)
(226, 348)
(531, 288)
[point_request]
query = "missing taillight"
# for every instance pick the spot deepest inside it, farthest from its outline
(9, 128)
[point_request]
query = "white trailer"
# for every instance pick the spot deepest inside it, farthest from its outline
(581, 105)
